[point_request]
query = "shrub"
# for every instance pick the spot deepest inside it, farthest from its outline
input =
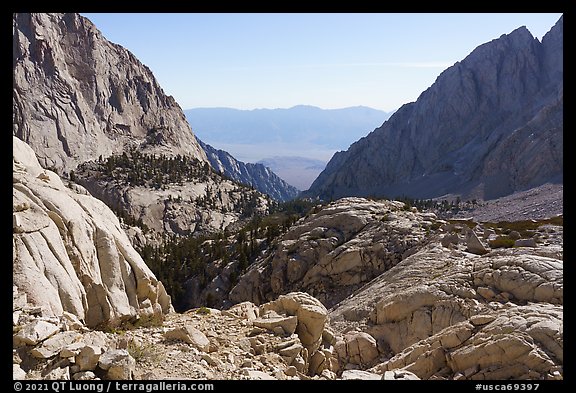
(144, 352)
(501, 242)
(203, 311)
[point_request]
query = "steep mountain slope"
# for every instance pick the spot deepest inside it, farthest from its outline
(255, 175)
(96, 114)
(490, 125)
(78, 96)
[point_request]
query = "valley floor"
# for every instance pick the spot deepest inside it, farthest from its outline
(537, 203)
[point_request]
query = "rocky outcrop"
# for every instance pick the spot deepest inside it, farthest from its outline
(447, 313)
(257, 176)
(77, 96)
(335, 250)
(523, 342)
(202, 343)
(49, 347)
(202, 203)
(357, 348)
(311, 316)
(490, 125)
(70, 254)
(189, 334)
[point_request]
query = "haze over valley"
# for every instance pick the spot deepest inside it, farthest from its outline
(296, 143)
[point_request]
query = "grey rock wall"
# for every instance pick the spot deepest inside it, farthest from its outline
(490, 125)
(77, 96)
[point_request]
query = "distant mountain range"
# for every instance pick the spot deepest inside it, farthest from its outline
(301, 131)
(299, 125)
(490, 125)
(257, 175)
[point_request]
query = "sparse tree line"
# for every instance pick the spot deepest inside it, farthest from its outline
(141, 169)
(135, 168)
(442, 207)
(438, 206)
(176, 259)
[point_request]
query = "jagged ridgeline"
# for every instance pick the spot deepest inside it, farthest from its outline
(255, 175)
(490, 125)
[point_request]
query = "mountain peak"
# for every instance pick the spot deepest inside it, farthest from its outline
(519, 31)
(490, 125)
(557, 29)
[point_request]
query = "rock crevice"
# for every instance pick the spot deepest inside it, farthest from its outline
(71, 255)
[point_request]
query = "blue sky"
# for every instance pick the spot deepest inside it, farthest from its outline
(330, 60)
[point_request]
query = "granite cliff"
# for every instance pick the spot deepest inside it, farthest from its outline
(490, 125)
(84, 105)
(77, 96)
(70, 254)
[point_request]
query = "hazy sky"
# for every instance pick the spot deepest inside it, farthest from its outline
(329, 60)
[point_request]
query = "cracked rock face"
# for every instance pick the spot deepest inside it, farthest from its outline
(335, 250)
(473, 132)
(78, 96)
(446, 313)
(70, 253)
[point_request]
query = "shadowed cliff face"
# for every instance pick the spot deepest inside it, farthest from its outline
(255, 175)
(490, 125)
(78, 96)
